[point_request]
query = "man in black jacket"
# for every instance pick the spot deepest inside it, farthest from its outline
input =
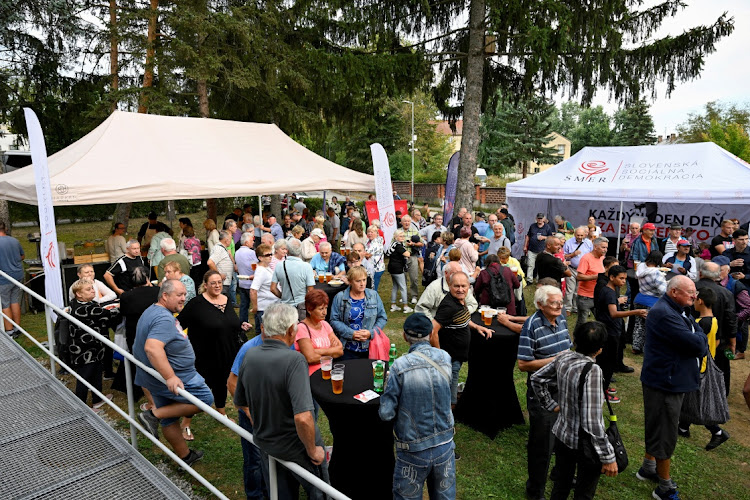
(724, 312)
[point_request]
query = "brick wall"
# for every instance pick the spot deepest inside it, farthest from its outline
(433, 193)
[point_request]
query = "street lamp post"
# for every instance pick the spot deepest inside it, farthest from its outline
(411, 148)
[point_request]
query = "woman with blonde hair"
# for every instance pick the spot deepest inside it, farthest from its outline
(355, 234)
(212, 235)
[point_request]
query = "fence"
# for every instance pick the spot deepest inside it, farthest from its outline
(434, 193)
(130, 415)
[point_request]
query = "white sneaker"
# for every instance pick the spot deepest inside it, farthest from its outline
(394, 308)
(408, 309)
(413, 300)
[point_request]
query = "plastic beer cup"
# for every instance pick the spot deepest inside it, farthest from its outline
(325, 366)
(337, 381)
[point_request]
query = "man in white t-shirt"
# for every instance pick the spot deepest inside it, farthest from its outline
(260, 290)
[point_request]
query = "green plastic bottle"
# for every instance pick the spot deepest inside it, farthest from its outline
(392, 355)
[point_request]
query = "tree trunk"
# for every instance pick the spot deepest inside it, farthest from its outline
(4, 212)
(524, 169)
(467, 166)
(148, 71)
(276, 206)
(203, 98)
(211, 209)
(113, 51)
(122, 214)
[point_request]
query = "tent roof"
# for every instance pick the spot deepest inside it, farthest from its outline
(138, 157)
(682, 173)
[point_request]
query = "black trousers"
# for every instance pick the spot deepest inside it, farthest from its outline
(92, 373)
(607, 359)
(539, 446)
(567, 462)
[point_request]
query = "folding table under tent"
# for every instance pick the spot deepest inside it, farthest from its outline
(696, 185)
(139, 157)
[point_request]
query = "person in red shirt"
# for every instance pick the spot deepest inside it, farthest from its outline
(589, 268)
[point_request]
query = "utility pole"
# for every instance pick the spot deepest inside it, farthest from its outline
(412, 149)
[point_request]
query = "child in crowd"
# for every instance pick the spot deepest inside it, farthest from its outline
(703, 251)
(709, 324)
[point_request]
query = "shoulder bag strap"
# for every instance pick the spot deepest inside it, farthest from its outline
(437, 367)
(286, 275)
(582, 381)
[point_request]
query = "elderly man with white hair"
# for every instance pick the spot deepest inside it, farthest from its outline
(168, 249)
(245, 258)
(273, 389)
(436, 291)
(328, 261)
(544, 335)
(293, 278)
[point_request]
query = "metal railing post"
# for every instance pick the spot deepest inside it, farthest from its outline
(50, 338)
(273, 487)
(131, 401)
(2, 320)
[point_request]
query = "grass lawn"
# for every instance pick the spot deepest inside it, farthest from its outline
(488, 468)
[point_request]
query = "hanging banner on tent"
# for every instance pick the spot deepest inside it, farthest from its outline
(705, 219)
(48, 249)
(383, 192)
(451, 180)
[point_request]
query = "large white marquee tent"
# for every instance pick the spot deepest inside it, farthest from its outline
(138, 157)
(695, 185)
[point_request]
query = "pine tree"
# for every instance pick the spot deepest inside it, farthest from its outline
(517, 133)
(634, 125)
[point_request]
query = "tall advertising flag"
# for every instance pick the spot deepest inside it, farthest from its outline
(451, 180)
(384, 192)
(49, 254)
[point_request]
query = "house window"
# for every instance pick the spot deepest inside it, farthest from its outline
(536, 170)
(561, 149)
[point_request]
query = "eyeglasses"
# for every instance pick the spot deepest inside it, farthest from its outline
(555, 303)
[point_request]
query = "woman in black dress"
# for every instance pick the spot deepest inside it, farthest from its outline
(216, 333)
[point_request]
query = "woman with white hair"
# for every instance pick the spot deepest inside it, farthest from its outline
(280, 250)
(374, 252)
(398, 256)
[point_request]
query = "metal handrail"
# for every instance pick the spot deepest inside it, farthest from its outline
(134, 424)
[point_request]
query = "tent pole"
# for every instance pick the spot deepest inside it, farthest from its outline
(619, 232)
(260, 208)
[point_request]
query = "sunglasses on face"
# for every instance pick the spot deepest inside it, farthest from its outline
(267, 255)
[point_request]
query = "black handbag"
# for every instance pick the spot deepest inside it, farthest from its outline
(708, 405)
(585, 444)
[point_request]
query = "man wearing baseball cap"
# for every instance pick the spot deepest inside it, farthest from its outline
(417, 397)
(681, 262)
(669, 244)
(643, 244)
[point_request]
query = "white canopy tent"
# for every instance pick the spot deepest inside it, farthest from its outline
(694, 185)
(138, 157)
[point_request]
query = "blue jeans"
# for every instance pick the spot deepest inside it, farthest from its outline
(258, 321)
(244, 303)
(376, 280)
(435, 465)
(255, 486)
(455, 368)
(399, 284)
(233, 289)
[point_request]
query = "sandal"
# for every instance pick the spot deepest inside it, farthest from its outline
(187, 434)
(145, 406)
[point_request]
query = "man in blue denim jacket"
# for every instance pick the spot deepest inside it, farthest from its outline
(417, 395)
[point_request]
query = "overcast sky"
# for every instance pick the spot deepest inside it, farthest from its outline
(726, 72)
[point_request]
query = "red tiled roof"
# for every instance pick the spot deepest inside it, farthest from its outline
(444, 127)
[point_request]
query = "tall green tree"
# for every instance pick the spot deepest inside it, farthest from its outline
(514, 134)
(733, 137)
(593, 128)
(527, 46)
(633, 125)
(698, 125)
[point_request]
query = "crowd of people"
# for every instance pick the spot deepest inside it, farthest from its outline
(681, 302)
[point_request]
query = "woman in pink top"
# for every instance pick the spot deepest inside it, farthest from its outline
(469, 254)
(315, 337)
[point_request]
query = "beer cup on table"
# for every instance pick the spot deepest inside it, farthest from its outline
(321, 278)
(487, 315)
(337, 380)
(329, 277)
(325, 366)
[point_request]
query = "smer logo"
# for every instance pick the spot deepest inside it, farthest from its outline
(593, 168)
(389, 219)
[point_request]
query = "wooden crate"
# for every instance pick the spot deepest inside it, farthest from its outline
(82, 259)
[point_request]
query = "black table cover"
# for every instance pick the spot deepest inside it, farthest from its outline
(489, 402)
(331, 291)
(362, 460)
